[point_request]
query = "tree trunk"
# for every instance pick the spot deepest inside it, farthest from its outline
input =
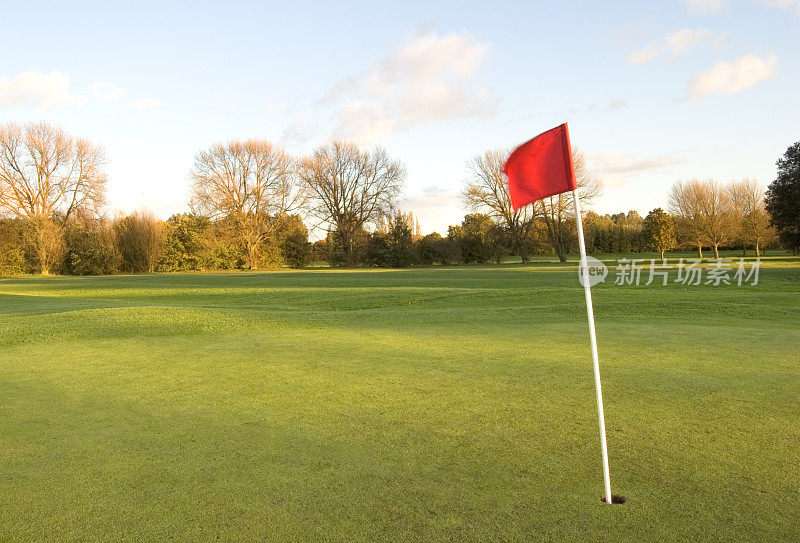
(758, 251)
(41, 250)
(519, 244)
(662, 256)
(252, 255)
(523, 253)
(349, 253)
(716, 252)
(700, 251)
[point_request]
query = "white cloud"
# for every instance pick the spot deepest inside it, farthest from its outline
(682, 40)
(617, 103)
(429, 78)
(786, 4)
(704, 6)
(363, 122)
(678, 43)
(730, 78)
(146, 103)
(52, 90)
(648, 54)
(615, 169)
(41, 91)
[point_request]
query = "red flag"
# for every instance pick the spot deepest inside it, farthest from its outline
(540, 167)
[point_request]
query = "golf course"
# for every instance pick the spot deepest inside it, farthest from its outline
(427, 404)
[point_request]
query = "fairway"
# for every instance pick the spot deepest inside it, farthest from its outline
(432, 404)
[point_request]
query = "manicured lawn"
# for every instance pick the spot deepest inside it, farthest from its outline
(438, 404)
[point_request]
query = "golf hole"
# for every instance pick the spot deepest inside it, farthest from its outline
(615, 500)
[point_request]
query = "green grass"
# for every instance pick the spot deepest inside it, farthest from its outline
(439, 404)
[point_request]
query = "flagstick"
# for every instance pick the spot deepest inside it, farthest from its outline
(587, 289)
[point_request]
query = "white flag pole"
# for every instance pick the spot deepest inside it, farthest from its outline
(587, 289)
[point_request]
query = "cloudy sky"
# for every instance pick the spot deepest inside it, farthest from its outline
(653, 92)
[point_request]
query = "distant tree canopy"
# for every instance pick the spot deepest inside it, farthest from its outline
(783, 199)
(250, 199)
(708, 213)
(89, 249)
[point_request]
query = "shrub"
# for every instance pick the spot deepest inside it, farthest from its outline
(139, 241)
(426, 249)
(296, 250)
(88, 252)
(184, 243)
(338, 256)
(401, 244)
(379, 252)
(473, 237)
(292, 238)
(13, 259)
(448, 252)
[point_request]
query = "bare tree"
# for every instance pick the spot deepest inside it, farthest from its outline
(47, 176)
(704, 210)
(715, 205)
(486, 192)
(248, 186)
(558, 212)
(749, 215)
(349, 189)
(684, 205)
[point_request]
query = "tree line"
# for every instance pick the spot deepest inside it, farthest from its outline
(251, 202)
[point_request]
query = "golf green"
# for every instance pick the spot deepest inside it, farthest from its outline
(433, 404)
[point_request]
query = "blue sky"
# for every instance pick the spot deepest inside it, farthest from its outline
(653, 91)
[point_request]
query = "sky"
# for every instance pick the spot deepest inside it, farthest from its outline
(654, 92)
